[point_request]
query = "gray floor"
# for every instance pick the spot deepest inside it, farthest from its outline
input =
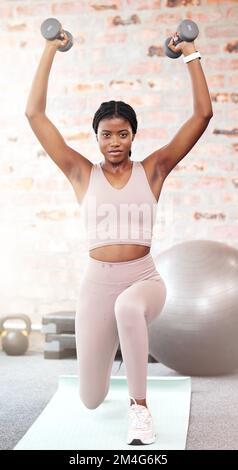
(28, 382)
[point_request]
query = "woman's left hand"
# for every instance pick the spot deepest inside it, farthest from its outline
(184, 47)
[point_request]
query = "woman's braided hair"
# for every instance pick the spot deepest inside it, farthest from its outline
(115, 109)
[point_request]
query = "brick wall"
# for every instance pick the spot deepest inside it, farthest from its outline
(118, 54)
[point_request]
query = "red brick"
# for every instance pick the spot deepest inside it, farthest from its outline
(226, 166)
(144, 4)
(226, 231)
(141, 68)
(173, 183)
(85, 6)
(6, 168)
(78, 136)
(111, 37)
(234, 147)
(88, 87)
(182, 3)
(187, 199)
(64, 102)
(220, 97)
(211, 148)
(235, 184)
(125, 84)
(148, 100)
(30, 43)
(220, 2)
(156, 51)
(232, 80)
(211, 181)
(102, 69)
(148, 35)
(233, 132)
(221, 32)
(46, 184)
(231, 47)
(60, 214)
(151, 133)
(161, 83)
(39, 9)
(164, 18)
(230, 198)
(16, 27)
(105, 5)
(215, 81)
(6, 11)
(78, 118)
(221, 63)
(208, 49)
(69, 8)
(16, 184)
(209, 216)
(191, 166)
(232, 115)
(204, 17)
(160, 117)
(232, 13)
(122, 21)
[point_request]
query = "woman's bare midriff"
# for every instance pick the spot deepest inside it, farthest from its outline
(118, 253)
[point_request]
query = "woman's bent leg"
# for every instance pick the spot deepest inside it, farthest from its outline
(135, 308)
(96, 341)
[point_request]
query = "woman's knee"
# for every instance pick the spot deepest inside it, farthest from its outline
(127, 311)
(91, 402)
(90, 399)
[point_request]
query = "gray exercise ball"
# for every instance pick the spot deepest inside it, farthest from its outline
(197, 331)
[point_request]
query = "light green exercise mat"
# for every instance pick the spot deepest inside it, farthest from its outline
(66, 423)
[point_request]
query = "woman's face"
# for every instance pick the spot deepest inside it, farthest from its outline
(116, 135)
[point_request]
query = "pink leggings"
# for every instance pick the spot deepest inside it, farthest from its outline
(116, 302)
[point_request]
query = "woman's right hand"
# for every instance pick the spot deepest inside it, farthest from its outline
(56, 43)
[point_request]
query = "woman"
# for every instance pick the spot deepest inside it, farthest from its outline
(121, 291)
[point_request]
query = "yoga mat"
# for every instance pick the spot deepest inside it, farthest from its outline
(66, 423)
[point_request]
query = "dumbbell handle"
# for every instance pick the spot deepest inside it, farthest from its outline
(57, 36)
(177, 41)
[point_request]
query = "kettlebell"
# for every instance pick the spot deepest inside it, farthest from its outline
(15, 341)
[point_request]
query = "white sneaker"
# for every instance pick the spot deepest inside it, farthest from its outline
(140, 427)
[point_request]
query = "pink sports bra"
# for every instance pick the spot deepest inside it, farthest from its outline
(119, 216)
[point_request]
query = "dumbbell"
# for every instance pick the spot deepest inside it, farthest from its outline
(187, 31)
(51, 29)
